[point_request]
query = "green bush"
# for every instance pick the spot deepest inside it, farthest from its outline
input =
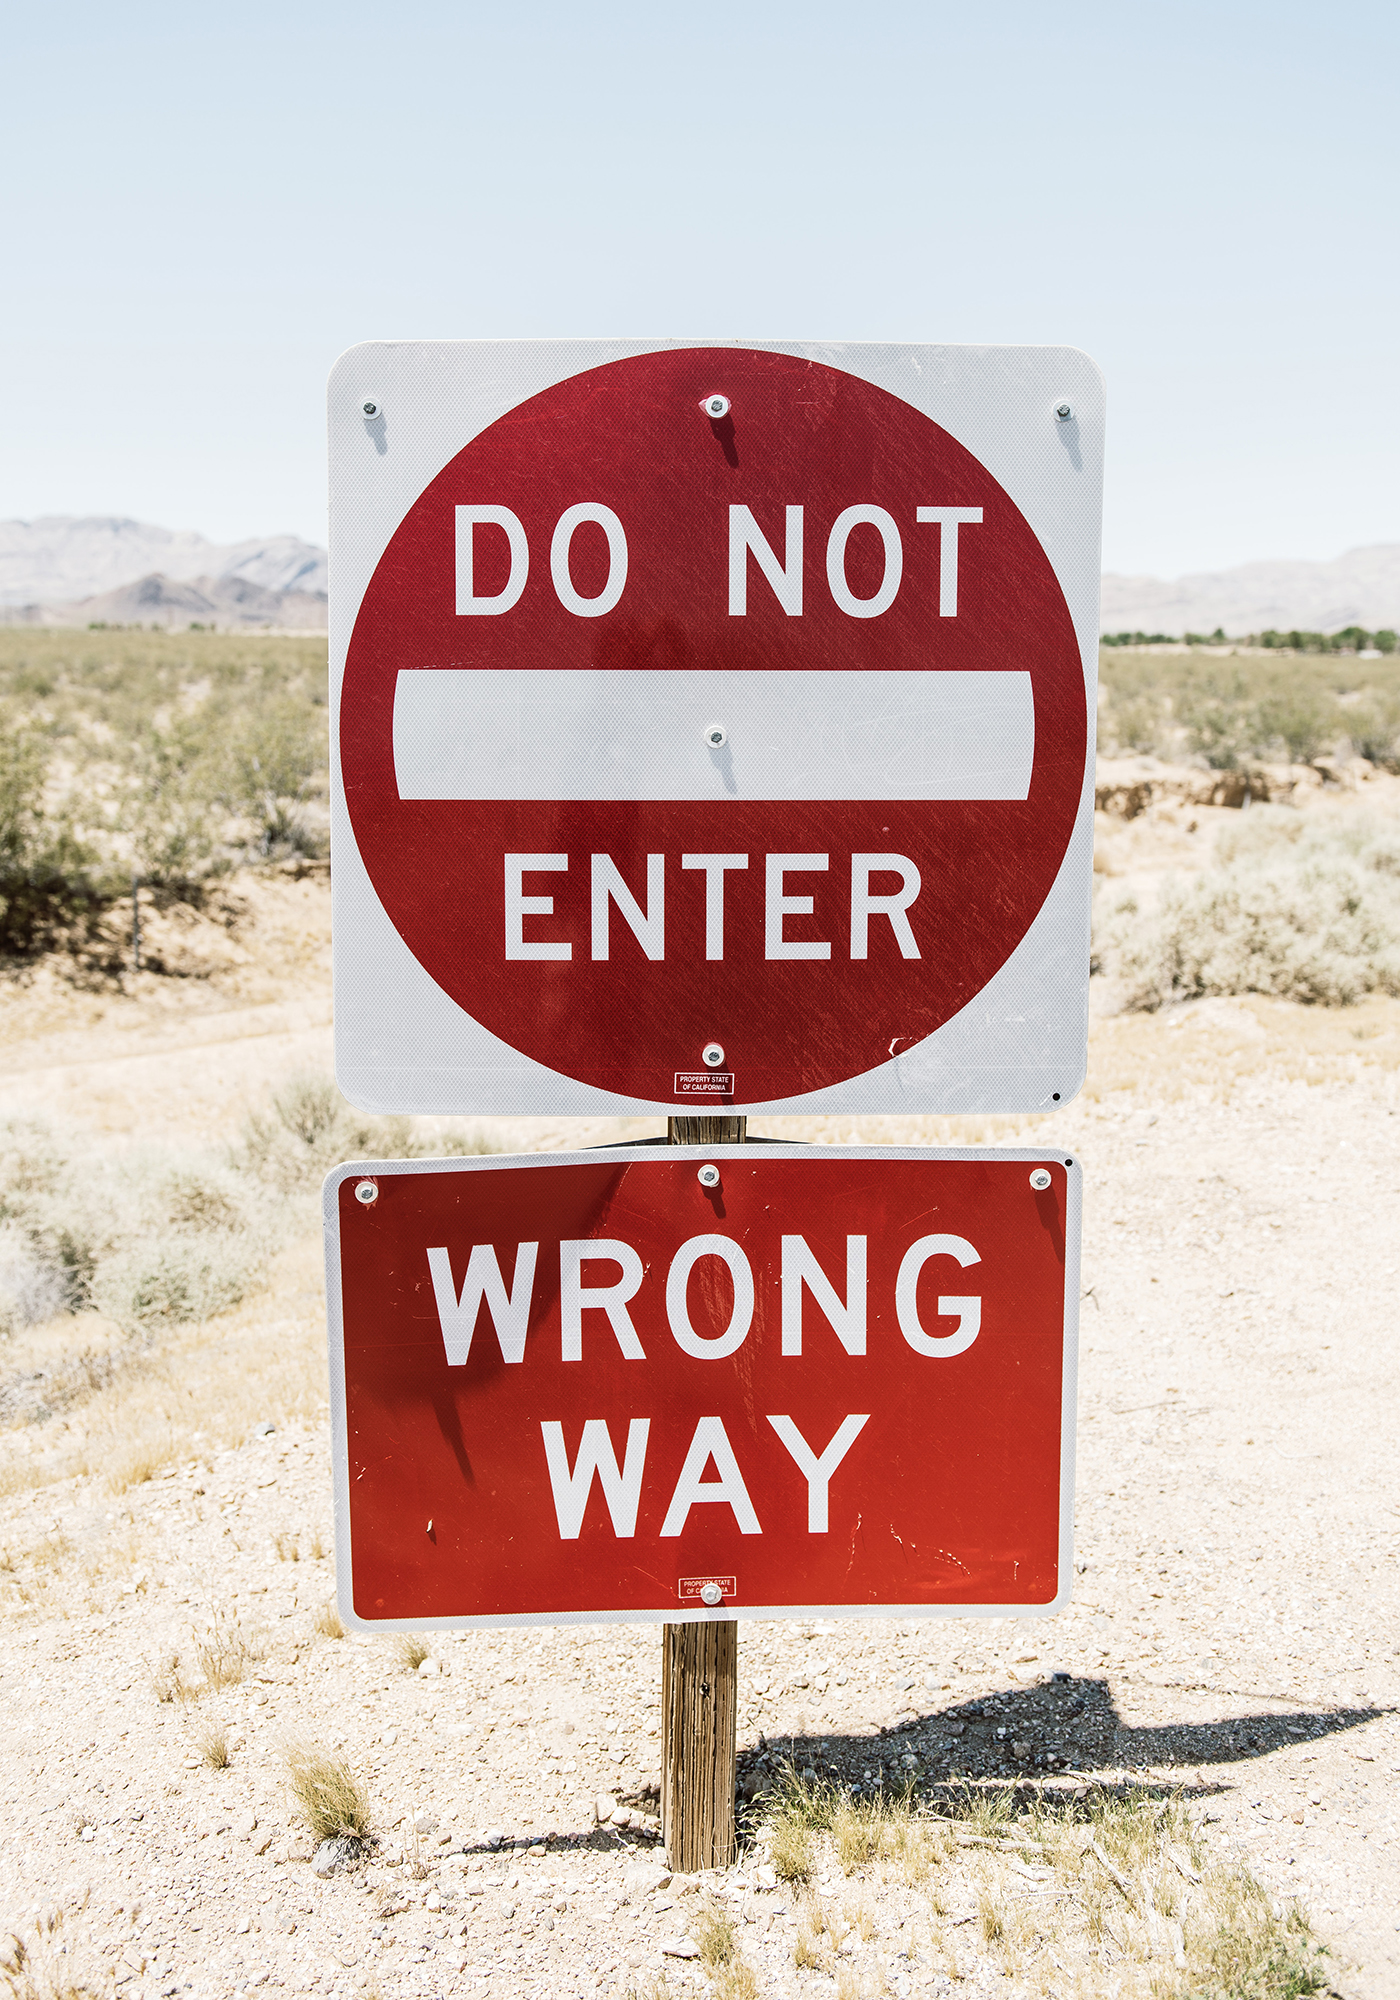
(1230, 711)
(47, 879)
(172, 756)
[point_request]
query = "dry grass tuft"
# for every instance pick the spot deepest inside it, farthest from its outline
(412, 1650)
(141, 1464)
(860, 1919)
(328, 1622)
(729, 1975)
(41, 1965)
(224, 1656)
(168, 1680)
(790, 1850)
(328, 1795)
(735, 1981)
(1128, 1872)
(712, 1929)
(851, 1986)
(211, 1741)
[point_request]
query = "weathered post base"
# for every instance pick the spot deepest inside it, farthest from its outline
(699, 1685)
(699, 1677)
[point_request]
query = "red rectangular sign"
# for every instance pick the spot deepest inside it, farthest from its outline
(647, 1383)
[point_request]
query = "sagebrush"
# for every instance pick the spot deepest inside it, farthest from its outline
(1304, 910)
(1230, 710)
(156, 1236)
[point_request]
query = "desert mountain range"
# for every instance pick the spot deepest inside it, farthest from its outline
(80, 570)
(1360, 588)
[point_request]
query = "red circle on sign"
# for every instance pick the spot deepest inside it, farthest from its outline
(630, 439)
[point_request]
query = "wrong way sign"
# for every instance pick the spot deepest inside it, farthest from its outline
(713, 724)
(643, 1384)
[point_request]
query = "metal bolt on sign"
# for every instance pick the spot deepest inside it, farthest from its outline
(369, 409)
(1040, 1180)
(366, 1192)
(1064, 413)
(716, 735)
(708, 1176)
(712, 1055)
(716, 407)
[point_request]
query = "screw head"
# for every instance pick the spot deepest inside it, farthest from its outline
(1040, 1180)
(716, 735)
(715, 407)
(1064, 413)
(710, 1593)
(366, 1192)
(708, 1176)
(712, 1055)
(369, 409)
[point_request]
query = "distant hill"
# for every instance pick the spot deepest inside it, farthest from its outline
(67, 569)
(78, 570)
(1360, 588)
(228, 602)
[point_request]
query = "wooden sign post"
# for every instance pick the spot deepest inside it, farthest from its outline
(611, 621)
(700, 1677)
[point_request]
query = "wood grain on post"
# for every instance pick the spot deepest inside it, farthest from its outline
(700, 1677)
(707, 1131)
(699, 1682)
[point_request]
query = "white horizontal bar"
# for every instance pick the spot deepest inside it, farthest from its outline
(581, 733)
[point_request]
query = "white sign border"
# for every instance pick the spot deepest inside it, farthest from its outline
(975, 1061)
(678, 1614)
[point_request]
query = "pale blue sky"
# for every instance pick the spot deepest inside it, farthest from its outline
(204, 205)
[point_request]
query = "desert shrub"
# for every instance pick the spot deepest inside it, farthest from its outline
(176, 1281)
(165, 803)
(274, 762)
(202, 1196)
(48, 876)
(152, 1237)
(308, 1128)
(1228, 711)
(173, 756)
(32, 1290)
(1229, 715)
(1302, 912)
(1373, 725)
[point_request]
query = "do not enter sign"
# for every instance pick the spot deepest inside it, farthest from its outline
(631, 1384)
(713, 725)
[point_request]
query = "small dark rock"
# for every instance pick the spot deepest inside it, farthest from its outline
(334, 1857)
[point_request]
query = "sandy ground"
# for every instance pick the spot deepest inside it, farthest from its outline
(1234, 1630)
